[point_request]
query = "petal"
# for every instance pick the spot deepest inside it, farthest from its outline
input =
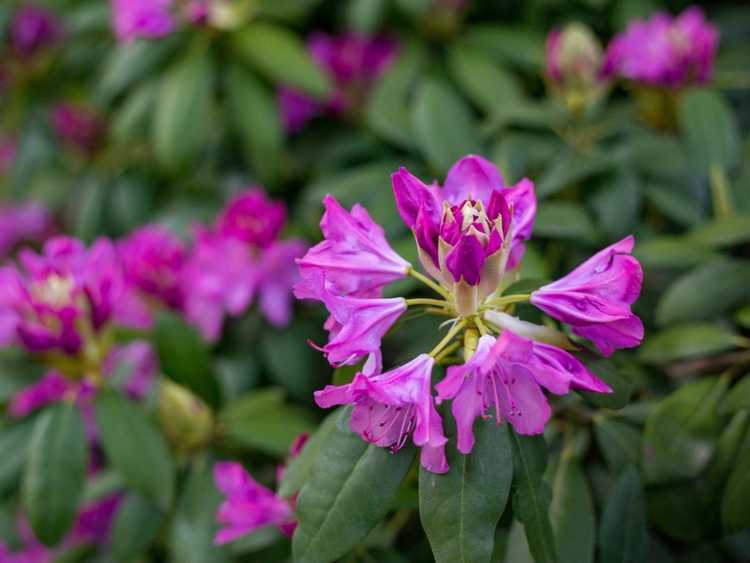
(466, 259)
(522, 200)
(473, 178)
(413, 196)
(522, 402)
(611, 336)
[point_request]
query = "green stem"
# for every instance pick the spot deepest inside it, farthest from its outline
(428, 282)
(720, 194)
(458, 327)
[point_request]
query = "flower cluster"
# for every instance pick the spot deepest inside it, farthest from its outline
(664, 51)
(78, 126)
(249, 505)
(470, 236)
(26, 222)
(33, 29)
(353, 63)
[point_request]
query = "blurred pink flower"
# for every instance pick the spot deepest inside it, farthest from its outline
(78, 126)
(33, 29)
(25, 222)
(141, 19)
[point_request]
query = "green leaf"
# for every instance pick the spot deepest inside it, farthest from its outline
(517, 45)
(619, 442)
(569, 168)
(135, 526)
(687, 341)
(135, 447)
(617, 204)
(194, 526)
(256, 118)
(486, 83)
(720, 233)
(183, 357)
(571, 513)
(460, 509)
(735, 504)
(299, 469)
(679, 436)
(134, 115)
(705, 292)
(182, 118)
(611, 373)
(623, 537)
(13, 439)
(281, 56)
(55, 472)
(443, 125)
(709, 128)
(564, 220)
(672, 252)
(333, 515)
(531, 495)
(738, 397)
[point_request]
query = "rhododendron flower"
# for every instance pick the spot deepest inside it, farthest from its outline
(353, 63)
(253, 218)
(390, 406)
(249, 505)
(664, 51)
(595, 298)
(144, 19)
(470, 236)
(57, 298)
(27, 222)
(77, 125)
(52, 388)
(277, 274)
(33, 29)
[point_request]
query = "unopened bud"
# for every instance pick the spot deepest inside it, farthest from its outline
(186, 420)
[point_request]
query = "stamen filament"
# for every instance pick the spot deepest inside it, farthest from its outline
(483, 330)
(509, 299)
(428, 282)
(447, 352)
(434, 302)
(458, 327)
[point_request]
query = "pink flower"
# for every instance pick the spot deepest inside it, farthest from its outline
(219, 278)
(79, 126)
(44, 304)
(665, 51)
(354, 258)
(26, 222)
(357, 324)
(595, 298)
(506, 374)
(144, 19)
(52, 388)
(249, 505)
(33, 29)
(277, 273)
(353, 62)
(390, 406)
(253, 218)
(153, 259)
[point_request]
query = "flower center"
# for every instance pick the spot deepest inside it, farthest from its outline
(55, 291)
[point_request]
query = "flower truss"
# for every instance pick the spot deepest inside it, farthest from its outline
(470, 236)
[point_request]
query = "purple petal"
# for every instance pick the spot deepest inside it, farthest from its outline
(473, 178)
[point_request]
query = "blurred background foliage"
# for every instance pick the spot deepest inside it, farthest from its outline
(659, 471)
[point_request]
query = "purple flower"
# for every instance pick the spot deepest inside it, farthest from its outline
(354, 258)
(357, 324)
(665, 51)
(595, 298)
(45, 303)
(52, 388)
(277, 273)
(253, 218)
(27, 222)
(219, 278)
(78, 126)
(390, 406)
(34, 29)
(353, 62)
(94, 522)
(144, 19)
(472, 230)
(249, 505)
(153, 258)
(138, 362)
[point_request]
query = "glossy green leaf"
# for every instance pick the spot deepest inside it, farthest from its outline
(705, 292)
(135, 447)
(443, 125)
(516, 44)
(709, 128)
(672, 252)
(184, 358)
(299, 469)
(687, 341)
(735, 504)
(256, 118)
(532, 496)
(55, 472)
(678, 439)
(331, 507)
(738, 397)
(619, 442)
(726, 231)
(564, 220)
(460, 509)
(486, 83)
(622, 534)
(613, 375)
(182, 116)
(13, 439)
(281, 56)
(135, 526)
(617, 204)
(571, 513)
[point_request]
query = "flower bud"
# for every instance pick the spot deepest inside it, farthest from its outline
(573, 66)
(186, 420)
